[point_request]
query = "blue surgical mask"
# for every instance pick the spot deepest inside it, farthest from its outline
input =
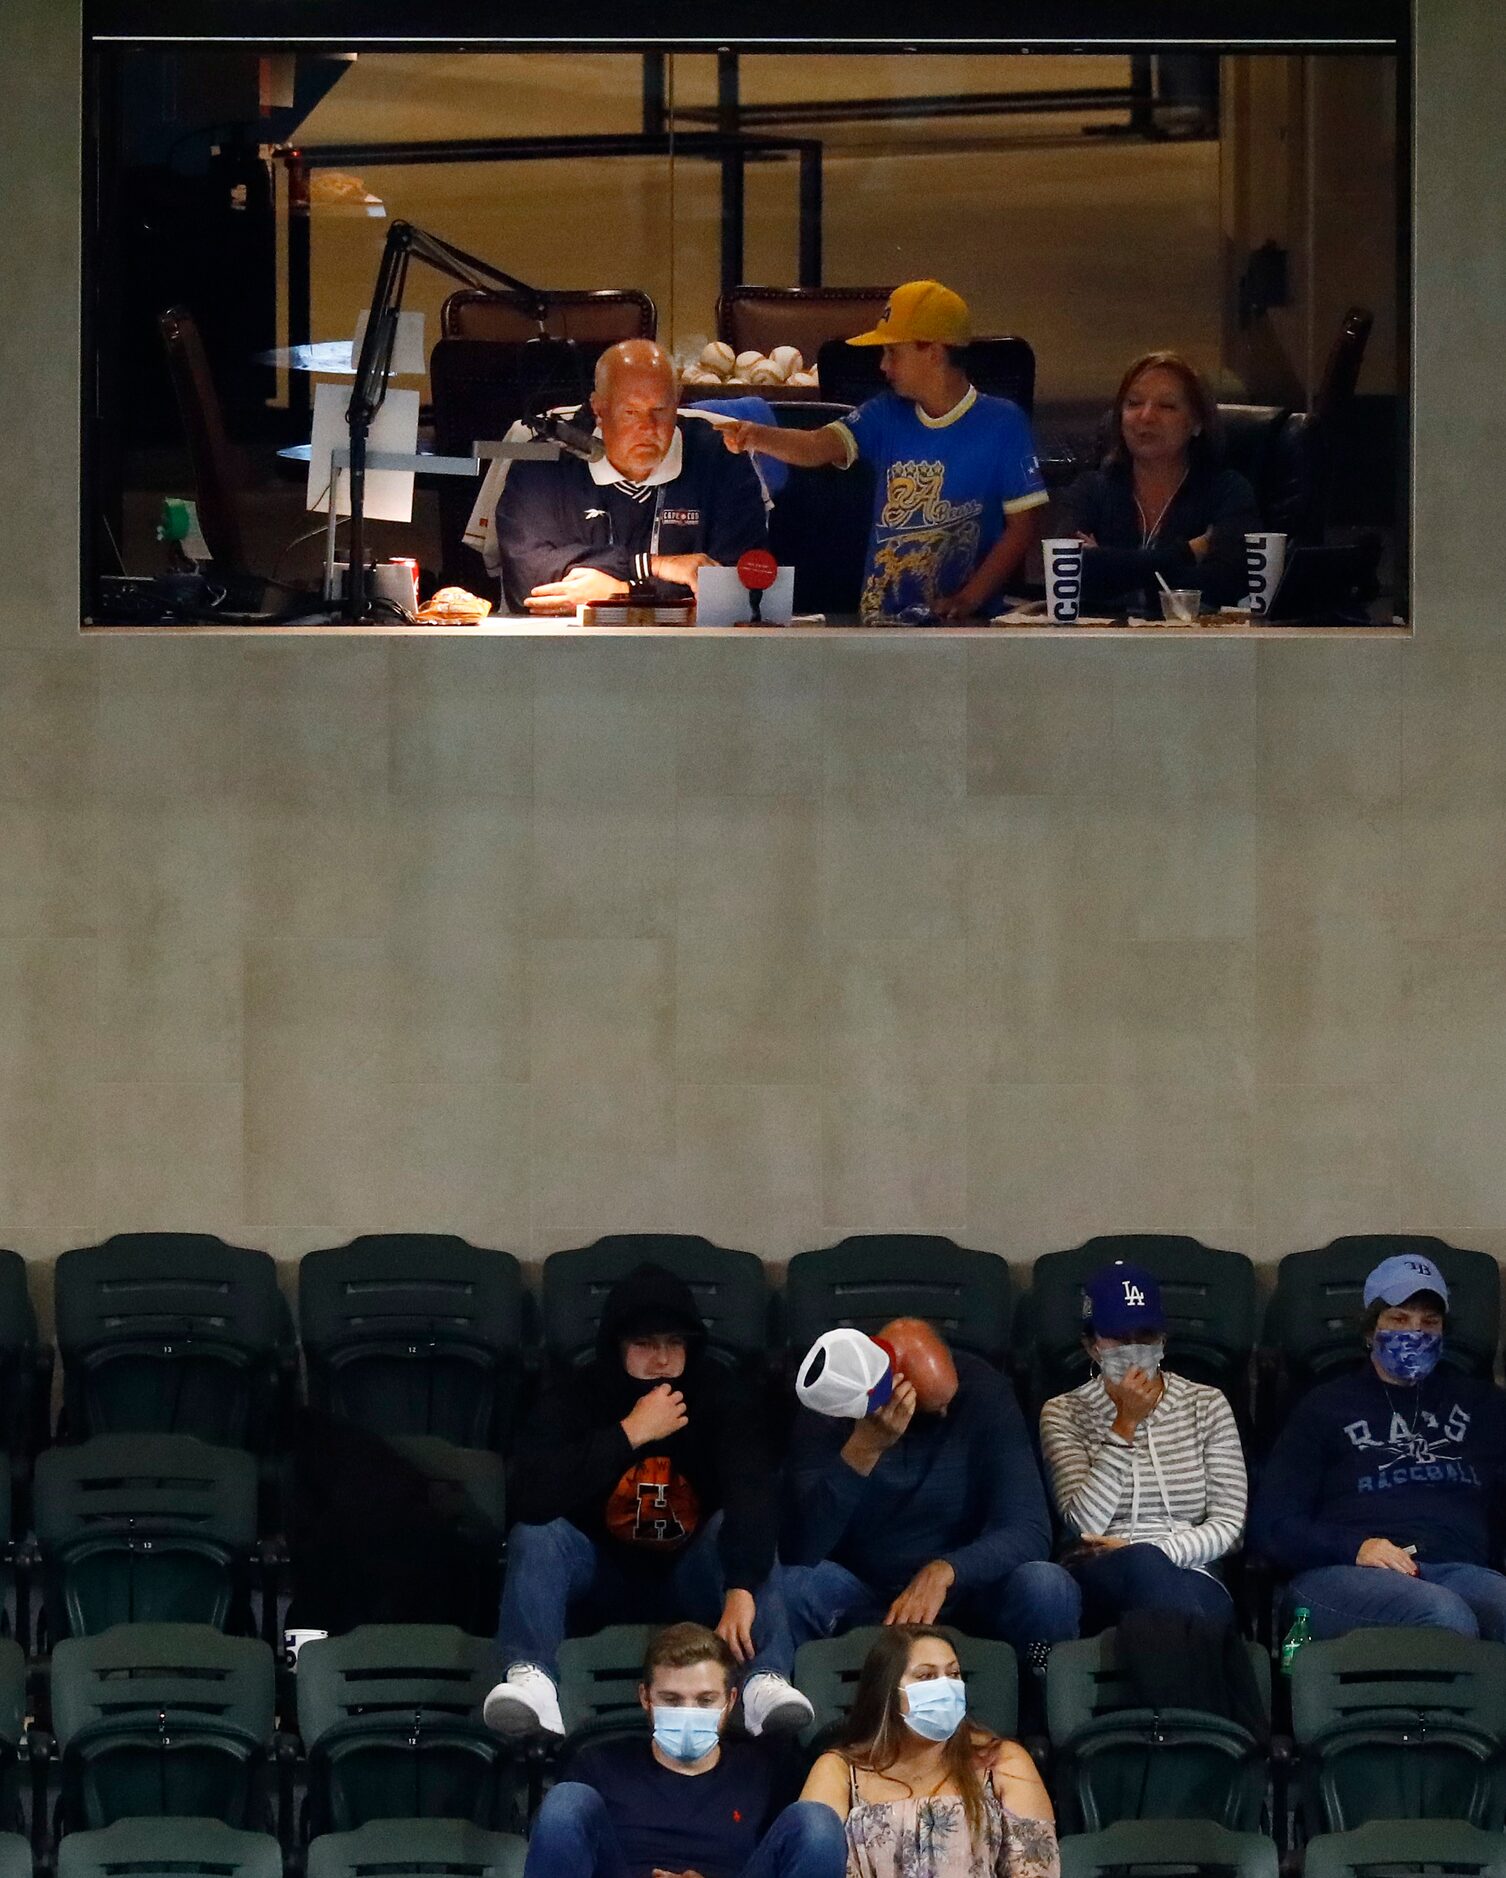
(937, 1707)
(686, 1735)
(1409, 1355)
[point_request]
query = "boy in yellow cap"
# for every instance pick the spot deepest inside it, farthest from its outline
(958, 483)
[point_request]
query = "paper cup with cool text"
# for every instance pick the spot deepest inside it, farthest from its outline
(1265, 562)
(1063, 558)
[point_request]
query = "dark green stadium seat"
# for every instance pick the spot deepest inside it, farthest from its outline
(143, 1529)
(1117, 1760)
(599, 1677)
(477, 1476)
(401, 1848)
(414, 1334)
(1210, 1299)
(827, 1671)
(167, 1848)
(390, 1716)
(1169, 1848)
(16, 1856)
(868, 1278)
(163, 1720)
(731, 1291)
(1400, 1724)
(1312, 1320)
(172, 1333)
(25, 1368)
(1406, 1848)
(13, 1708)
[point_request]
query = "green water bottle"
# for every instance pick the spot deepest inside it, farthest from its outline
(1300, 1633)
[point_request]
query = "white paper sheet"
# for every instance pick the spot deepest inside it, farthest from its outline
(389, 493)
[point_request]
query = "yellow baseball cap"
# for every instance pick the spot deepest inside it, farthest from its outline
(921, 309)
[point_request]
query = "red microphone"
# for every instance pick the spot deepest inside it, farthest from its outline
(757, 570)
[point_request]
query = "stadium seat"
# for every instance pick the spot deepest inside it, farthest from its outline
(390, 1847)
(868, 1278)
(731, 1292)
(1190, 1848)
(174, 1848)
(827, 1672)
(414, 1334)
(1399, 1848)
(1117, 1760)
(163, 1720)
(173, 1333)
(599, 1677)
(1400, 1724)
(1210, 1300)
(143, 1529)
(13, 1706)
(390, 1716)
(25, 1368)
(16, 1856)
(1312, 1320)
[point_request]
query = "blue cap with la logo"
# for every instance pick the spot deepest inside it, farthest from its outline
(1122, 1300)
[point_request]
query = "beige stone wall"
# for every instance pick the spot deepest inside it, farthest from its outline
(1016, 941)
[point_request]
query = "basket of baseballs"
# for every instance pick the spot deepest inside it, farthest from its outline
(719, 365)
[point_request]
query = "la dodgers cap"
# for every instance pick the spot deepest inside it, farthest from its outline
(1122, 1300)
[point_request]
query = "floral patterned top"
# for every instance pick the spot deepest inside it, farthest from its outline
(929, 1838)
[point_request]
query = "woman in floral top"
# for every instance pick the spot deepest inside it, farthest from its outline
(925, 1792)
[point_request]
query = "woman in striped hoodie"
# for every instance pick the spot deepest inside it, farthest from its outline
(1146, 1467)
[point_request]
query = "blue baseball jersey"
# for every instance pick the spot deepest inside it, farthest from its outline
(944, 488)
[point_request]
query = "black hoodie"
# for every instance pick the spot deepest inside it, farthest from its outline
(644, 1505)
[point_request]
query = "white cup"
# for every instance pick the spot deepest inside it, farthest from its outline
(1063, 557)
(294, 1640)
(1265, 562)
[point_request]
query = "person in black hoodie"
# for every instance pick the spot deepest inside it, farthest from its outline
(645, 1491)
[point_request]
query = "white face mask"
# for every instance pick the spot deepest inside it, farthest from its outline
(1116, 1360)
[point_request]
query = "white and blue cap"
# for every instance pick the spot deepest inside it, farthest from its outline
(845, 1374)
(1396, 1279)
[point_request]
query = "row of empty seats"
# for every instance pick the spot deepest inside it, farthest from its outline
(426, 1335)
(179, 1721)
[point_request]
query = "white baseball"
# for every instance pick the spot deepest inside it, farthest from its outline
(787, 359)
(766, 372)
(717, 358)
(746, 361)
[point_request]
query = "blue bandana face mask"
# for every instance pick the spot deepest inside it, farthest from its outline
(686, 1735)
(1409, 1355)
(936, 1707)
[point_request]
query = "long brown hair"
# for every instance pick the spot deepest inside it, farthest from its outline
(1202, 449)
(874, 1735)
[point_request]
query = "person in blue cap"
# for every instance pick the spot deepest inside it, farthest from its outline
(1378, 1493)
(1146, 1467)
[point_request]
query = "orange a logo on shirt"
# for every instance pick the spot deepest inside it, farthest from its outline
(652, 1505)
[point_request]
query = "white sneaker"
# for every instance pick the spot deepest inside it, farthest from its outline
(524, 1703)
(772, 1706)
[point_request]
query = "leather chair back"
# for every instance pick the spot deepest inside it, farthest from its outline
(599, 316)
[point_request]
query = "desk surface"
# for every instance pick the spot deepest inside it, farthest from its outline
(503, 628)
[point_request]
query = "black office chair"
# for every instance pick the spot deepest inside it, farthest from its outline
(821, 519)
(1001, 365)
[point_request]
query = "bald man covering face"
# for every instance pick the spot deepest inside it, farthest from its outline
(662, 501)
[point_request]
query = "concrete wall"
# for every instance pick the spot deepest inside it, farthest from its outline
(1015, 941)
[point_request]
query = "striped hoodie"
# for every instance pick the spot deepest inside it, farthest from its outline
(1179, 1485)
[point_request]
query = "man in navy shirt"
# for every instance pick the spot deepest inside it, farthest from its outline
(925, 1512)
(661, 502)
(682, 1802)
(958, 487)
(1378, 1492)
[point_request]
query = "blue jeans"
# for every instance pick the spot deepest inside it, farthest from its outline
(572, 1837)
(1468, 1598)
(555, 1572)
(1142, 1578)
(1036, 1603)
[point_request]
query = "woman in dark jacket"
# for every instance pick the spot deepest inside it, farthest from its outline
(1161, 503)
